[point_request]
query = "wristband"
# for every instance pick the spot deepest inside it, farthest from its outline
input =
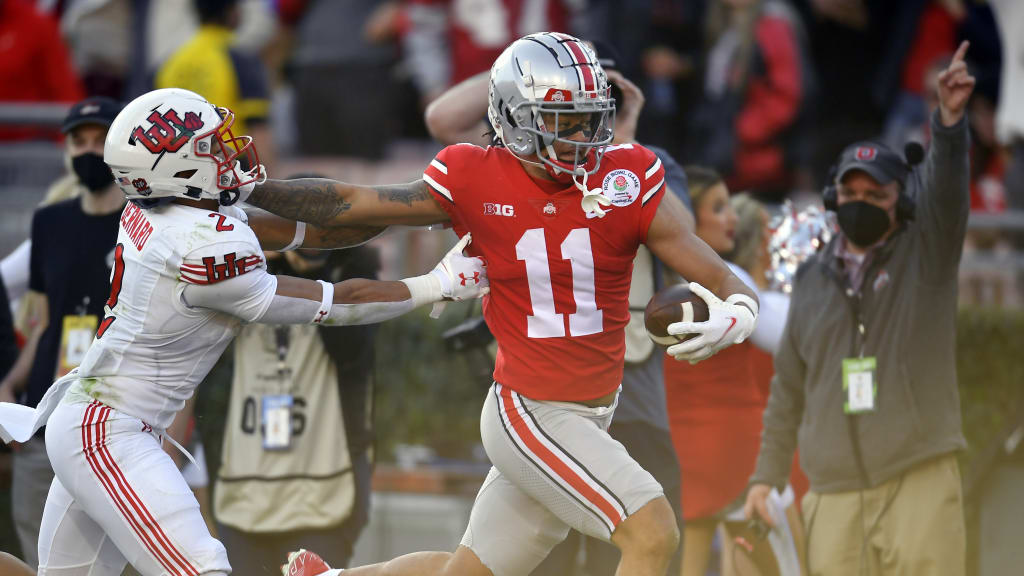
(300, 236)
(423, 289)
(326, 302)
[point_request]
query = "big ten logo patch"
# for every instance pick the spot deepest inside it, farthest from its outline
(492, 209)
(622, 187)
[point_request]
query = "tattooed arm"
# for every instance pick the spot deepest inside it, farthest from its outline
(329, 204)
(274, 232)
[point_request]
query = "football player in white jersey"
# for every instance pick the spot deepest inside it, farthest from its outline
(188, 270)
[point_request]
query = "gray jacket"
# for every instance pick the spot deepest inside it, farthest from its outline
(907, 306)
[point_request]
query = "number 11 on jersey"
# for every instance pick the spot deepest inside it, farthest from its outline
(545, 322)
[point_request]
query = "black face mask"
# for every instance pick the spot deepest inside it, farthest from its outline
(863, 223)
(92, 171)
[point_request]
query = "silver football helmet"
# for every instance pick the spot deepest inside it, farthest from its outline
(538, 85)
(173, 143)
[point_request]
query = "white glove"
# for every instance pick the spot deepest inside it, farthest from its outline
(460, 277)
(593, 201)
(728, 323)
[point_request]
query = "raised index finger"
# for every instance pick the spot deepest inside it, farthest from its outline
(961, 51)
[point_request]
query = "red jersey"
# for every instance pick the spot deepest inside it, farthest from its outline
(559, 298)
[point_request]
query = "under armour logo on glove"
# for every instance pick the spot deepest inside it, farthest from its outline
(475, 278)
(460, 277)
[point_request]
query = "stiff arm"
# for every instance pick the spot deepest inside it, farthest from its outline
(329, 204)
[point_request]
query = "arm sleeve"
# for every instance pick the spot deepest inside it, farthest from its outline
(943, 200)
(675, 177)
(440, 176)
(652, 190)
(772, 104)
(253, 298)
(782, 414)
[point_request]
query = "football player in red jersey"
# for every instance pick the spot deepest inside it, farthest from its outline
(558, 306)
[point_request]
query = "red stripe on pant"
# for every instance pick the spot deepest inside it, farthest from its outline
(141, 509)
(104, 468)
(560, 468)
(90, 447)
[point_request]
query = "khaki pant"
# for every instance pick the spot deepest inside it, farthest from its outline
(912, 525)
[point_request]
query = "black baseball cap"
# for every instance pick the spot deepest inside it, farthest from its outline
(877, 160)
(94, 110)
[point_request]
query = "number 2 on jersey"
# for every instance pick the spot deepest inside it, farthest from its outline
(545, 322)
(115, 289)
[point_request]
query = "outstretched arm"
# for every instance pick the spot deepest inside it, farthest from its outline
(257, 296)
(329, 203)
(276, 233)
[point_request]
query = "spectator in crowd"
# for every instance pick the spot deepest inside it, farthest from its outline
(640, 422)
(34, 63)
(99, 37)
(934, 39)
(450, 40)
(71, 258)
(281, 489)
(1010, 113)
(715, 406)
(345, 92)
(750, 122)
(994, 284)
(874, 406)
(210, 66)
(859, 48)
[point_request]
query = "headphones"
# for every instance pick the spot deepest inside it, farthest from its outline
(905, 205)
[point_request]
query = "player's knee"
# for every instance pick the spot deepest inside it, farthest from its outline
(652, 530)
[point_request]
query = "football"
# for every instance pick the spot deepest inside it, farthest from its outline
(672, 304)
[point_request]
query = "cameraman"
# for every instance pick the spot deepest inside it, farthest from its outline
(866, 371)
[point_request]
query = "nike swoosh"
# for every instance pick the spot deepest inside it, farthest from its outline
(594, 214)
(733, 320)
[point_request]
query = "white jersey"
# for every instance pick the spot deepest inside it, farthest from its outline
(151, 350)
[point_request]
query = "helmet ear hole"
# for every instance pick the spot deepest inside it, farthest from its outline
(185, 174)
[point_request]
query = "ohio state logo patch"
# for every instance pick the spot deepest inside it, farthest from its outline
(622, 187)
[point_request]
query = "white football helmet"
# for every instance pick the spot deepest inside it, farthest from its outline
(173, 143)
(546, 75)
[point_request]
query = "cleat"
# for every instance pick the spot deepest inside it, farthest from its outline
(305, 563)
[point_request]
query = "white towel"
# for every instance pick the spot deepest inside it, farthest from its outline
(19, 423)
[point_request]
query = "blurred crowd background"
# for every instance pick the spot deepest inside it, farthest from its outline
(765, 91)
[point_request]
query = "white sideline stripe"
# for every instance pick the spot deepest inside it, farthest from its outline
(440, 167)
(438, 187)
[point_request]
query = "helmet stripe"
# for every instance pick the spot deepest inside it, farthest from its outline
(580, 58)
